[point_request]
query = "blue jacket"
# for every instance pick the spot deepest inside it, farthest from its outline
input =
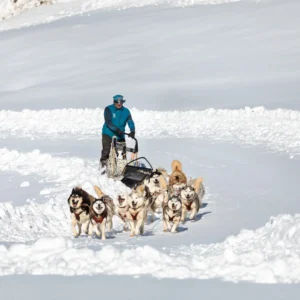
(116, 120)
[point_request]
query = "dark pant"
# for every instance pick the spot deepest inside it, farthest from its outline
(106, 144)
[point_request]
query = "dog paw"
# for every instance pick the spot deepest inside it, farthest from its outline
(132, 235)
(165, 230)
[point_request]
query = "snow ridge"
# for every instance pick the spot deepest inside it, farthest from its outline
(10, 8)
(276, 129)
(266, 255)
(50, 219)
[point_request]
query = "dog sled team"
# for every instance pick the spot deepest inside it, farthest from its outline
(173, 195)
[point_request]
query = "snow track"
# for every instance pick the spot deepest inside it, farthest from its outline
(266, 255)
(276, 129)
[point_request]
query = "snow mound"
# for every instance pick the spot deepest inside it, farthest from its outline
(24, 184)
(32, 221)
(10, 8)
(277, 129)
(266, 255)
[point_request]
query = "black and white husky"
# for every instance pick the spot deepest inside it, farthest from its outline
(191, 196)
(172, 212)
(155, 189)
(80, 202)
(98, 218)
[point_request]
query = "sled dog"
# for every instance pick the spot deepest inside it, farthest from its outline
(98, 218)
(155, 187)
(80, 202)
(191, 197)
(137, 211)
(122, 209)
(172, 212)
(110, 206)
(177, 179)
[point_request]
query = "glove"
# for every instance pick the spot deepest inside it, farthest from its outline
(119, 132)
(131, 134)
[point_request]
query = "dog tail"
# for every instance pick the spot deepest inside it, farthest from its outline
(198, 183)
(98, 191)
(176, 165)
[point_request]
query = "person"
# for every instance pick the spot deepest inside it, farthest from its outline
(116, 116)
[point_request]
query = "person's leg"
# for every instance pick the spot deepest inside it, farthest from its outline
(106, 144)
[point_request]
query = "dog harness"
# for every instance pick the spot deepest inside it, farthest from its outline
(100, 218)
(134, 216)
(77, 215)
(172, 218)
(123, 217)
(188, 206)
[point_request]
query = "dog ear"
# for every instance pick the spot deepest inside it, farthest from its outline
(176, 166)
(198, 184)
(98, 191)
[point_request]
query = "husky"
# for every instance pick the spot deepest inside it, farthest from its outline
(177, 179)
(80, 202)
(122, 209)
(155, 187)
(110, 206)
(172, 212)
(98, 218)
(137, 211)
(191, 197)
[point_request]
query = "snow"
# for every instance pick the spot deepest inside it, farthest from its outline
(9, 8)
(216, 86)
(276, 129)
(266, 255)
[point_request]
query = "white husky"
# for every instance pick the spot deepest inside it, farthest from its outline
(137, 211)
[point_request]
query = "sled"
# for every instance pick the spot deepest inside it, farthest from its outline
(136, 171)
(132, 173)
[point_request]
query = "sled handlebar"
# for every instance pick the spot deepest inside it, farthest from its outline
(136, 147)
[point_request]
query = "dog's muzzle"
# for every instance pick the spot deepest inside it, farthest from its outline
(120, 199)
(74, 203)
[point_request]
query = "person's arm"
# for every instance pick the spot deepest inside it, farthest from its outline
(109, 123)
(130, 123)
